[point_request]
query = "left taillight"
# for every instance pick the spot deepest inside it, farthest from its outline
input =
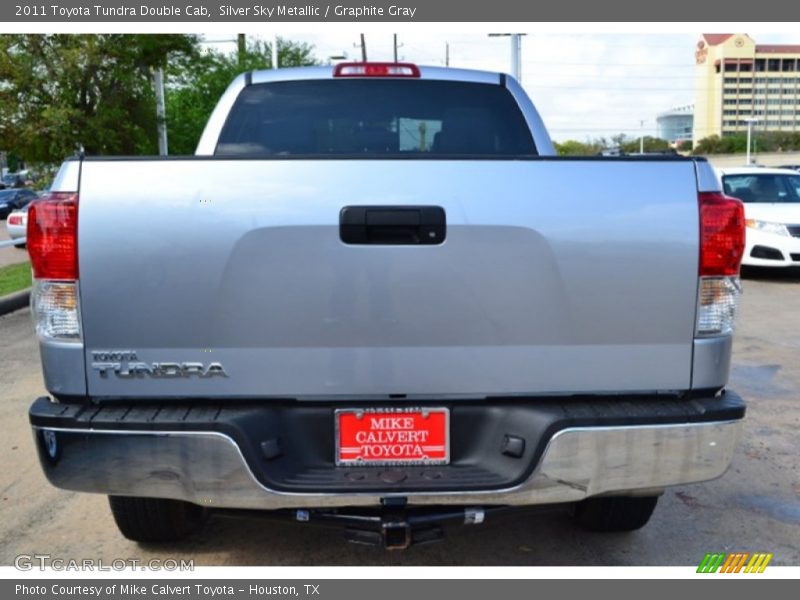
(52, 237)
(15, 220)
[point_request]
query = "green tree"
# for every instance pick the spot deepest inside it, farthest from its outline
(576, 148)
(763, 141)
(61, 91)
(626, 144)
(651, 144)
(196, 82)
(618, 140)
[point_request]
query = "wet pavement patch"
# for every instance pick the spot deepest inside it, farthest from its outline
(758, 379)
(787, 511)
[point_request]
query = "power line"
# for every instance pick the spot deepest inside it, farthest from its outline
(590, 44)
(759, 92)
(634, 128)
(621, 128)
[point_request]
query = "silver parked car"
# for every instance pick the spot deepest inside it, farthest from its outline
(17, 224)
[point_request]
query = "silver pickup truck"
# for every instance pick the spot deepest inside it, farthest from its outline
(375, 298)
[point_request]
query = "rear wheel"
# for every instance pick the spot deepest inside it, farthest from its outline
(155, 519)
(615, 513)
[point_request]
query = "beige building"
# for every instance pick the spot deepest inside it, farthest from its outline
(738, 80)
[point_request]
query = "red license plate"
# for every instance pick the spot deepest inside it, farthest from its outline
(388, 436)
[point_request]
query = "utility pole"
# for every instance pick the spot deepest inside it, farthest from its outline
(447, 54)
(395, 47)
(158, 81)
(363, 49)
(516, 52)
(516, 58)
(241, 45)
(275, 50)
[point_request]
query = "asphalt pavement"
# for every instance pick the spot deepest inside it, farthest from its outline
(11, 255)
(755, 506)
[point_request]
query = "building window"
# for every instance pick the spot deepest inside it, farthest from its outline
(788, 65)
(761, 64)
(774, 64)
(745, 67)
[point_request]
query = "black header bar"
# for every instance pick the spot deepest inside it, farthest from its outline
(396, 11)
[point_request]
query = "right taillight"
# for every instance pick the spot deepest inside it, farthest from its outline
(722, 240)
(52, 238)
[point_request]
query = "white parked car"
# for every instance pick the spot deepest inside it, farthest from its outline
(17, 224)
(772, 213)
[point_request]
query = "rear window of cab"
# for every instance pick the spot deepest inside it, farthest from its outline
(378, 118)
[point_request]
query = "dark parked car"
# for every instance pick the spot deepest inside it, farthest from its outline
(792, 167)
(13, 199)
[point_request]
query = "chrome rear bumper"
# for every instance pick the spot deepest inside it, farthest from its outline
(209, 469)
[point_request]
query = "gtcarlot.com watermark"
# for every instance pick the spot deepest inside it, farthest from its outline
(30, 562)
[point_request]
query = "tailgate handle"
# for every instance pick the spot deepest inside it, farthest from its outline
(392, 225)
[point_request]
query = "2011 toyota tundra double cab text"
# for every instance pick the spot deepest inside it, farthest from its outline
(374, 297)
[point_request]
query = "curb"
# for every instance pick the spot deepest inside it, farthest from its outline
(14, 301)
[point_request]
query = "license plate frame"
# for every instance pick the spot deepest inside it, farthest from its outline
(440, 451)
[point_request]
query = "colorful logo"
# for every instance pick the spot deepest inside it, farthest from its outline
(734, 562)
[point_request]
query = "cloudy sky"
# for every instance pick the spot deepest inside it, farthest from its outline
(585, 85)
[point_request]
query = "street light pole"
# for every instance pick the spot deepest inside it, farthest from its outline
(641, 137)
(750, 123)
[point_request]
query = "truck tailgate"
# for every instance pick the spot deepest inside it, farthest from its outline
(556, 276)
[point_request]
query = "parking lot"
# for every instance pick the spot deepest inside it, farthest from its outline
(755, 506)
(10, 256)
